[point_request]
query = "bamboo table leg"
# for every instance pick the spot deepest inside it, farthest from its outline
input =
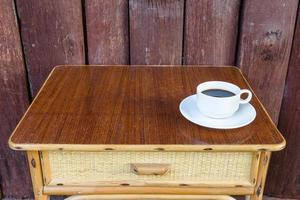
(36, 175)
(262, 174)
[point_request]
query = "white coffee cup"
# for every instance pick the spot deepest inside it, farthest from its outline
(220, 107)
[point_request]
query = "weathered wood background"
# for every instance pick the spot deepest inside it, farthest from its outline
(261, 37)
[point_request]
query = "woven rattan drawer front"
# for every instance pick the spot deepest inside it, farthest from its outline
(113, 168)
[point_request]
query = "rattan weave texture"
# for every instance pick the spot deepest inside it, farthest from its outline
(186, 167)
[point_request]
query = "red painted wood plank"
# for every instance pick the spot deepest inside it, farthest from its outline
(284, 173)
(156, 31)
(107, 31)
(15, 180)
(52, 34)
(265, 41)
(211, 31)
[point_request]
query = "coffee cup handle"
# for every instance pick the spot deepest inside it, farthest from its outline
(247, 100)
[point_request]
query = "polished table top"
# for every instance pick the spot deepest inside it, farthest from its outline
(95, 107)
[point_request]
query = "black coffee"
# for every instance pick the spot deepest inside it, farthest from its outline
(218, 93)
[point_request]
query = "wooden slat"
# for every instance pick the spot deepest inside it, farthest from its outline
(52, 34)
(14, 181)
(156, 31)
(284, 176)
(265, 41)
(211, 31)
(107, 31)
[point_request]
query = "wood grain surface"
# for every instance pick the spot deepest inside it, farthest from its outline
(93, 105)
(156, 31)
(13, 103)
(287, 183)
(265, 41)
(107, 31)
(52, 34)
(211, 31)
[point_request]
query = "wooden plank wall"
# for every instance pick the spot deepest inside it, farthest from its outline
(284, 175)
(266, 34)
(52, 34)
(261, 37)
(156, 29)
(15, 181)
(107, 31)
(211, 29)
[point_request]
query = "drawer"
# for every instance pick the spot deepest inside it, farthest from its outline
(71, 168)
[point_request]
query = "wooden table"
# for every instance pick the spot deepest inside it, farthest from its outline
(118, 130)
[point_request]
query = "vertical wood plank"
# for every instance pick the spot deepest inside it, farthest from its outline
(107, 31)
(284, 175)
(156, 31)
(15, 179)
(265, 42)
(52, 34)
(211, 31)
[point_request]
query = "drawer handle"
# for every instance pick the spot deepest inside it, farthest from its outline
(150, 168)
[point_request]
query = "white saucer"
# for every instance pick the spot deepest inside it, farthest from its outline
(244, 116)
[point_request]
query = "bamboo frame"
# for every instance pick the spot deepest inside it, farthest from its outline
(46, 169)
(73, 190)
(150, 197)
(261, 177)
(112, 147)
(254, 167)
(36, 175)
